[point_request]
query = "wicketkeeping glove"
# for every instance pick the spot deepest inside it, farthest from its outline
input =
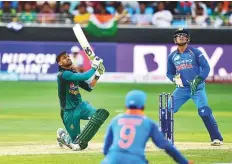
(96, 62)
(177, 80)
(194, 84)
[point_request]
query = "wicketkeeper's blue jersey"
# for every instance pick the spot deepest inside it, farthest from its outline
(128, 134)
(189, 64)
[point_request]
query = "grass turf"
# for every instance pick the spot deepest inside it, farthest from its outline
(29, 112)
(198, 156)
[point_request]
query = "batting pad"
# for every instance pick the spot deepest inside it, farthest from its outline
(91, 128)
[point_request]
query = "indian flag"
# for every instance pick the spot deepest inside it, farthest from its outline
(101, 25)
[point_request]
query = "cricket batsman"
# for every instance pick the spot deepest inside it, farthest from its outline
(128, 133)
(188, 69)
(73, 108)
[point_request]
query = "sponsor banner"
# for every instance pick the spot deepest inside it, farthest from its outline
(5, 76)
(134, 62)
(30, 59)
(151, 60)
(120, 77)
(117, 77)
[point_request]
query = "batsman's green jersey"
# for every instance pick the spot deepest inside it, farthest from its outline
(73, 108)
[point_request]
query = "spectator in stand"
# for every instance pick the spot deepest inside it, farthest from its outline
(21, 5)
(218, 17)
(131, 4)
(162, 18)
(229, 14)
(230, 20)
(199, 13)
(27, 15)
(142, 18)
(184, 8)
(100, 8)
(7, 12)
(65, 16)
(46, 14)
(82, 15)
(170, 5)
(40, 4)
(121, 14)
(72, 6)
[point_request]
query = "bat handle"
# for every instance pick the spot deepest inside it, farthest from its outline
(89, 52)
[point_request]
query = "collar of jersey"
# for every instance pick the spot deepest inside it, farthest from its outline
(186, 50)
(134, 111)
(63, 69)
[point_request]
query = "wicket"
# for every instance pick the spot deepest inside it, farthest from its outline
(166, 119)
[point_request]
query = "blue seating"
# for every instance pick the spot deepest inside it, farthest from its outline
(110, 9)
(130, 10)
(179, 23)
(148, 10)
(209, 11)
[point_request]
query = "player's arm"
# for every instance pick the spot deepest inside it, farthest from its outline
(84, 85)
(204, 72)
(171, 70)
(68, 75)
(159, 140)
(108, 139)
(203, 63)
(89, 84)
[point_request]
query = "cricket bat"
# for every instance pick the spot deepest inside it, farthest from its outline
(83, 41)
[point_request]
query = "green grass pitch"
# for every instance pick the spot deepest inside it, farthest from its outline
(29, 114)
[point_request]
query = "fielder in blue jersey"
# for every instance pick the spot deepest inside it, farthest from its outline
(188, 69)
(128, 133)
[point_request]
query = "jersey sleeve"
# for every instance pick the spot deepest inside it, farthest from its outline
(84, 85)
(108, 139)
(171, 70)
(68, 75)
(203, 63)
(159, 140)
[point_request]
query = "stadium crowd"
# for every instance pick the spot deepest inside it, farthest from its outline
(159, 13)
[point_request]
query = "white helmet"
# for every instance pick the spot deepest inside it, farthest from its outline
(75, 49)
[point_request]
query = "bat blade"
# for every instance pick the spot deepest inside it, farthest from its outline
(83, 41)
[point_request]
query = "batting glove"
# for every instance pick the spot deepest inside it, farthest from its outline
(194, 84)
(177, 80)
(96, 62)
(101, 69)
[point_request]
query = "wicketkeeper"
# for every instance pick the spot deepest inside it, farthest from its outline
(73, 108)
(188, 69)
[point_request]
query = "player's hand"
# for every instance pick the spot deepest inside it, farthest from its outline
(96, 62)
(177, 80)
(194, 84)
(97, 73)
(101, 69)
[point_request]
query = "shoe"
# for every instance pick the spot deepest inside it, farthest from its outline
(75, 147)
(61, 142)
(216, 142)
